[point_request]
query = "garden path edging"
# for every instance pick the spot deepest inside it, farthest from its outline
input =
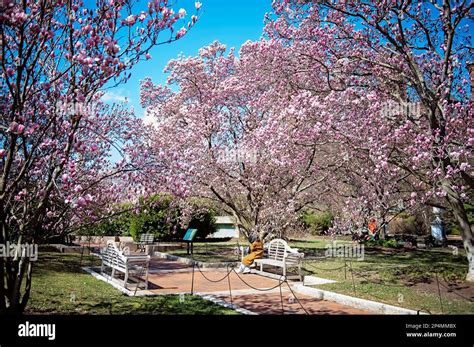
(188, 261)
(374, 306)
(205, 296)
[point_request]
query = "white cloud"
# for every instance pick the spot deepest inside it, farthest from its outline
(115, 97)
(148, 118)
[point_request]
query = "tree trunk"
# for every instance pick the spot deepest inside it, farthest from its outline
(12, 300)
(383, 226)
(466, 231)
(3, 301)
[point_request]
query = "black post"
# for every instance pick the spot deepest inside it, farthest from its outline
(345, 269)
(192, 281)
(228, 281)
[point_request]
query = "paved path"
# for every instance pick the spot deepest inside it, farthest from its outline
(170, 277)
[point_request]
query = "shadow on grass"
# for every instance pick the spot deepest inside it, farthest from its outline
(59, 262)
(415, 266)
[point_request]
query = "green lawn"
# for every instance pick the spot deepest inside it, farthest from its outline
(60, 286)
(213, 252)
(405, 278)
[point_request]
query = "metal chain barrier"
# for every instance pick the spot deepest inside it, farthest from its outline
(294, 295)
(439, 292)
(280, 283)
(321, 269)
(374, 282)
(345, 267)
(460, 295)
(369, 280)
(214, 281)
(259, 289)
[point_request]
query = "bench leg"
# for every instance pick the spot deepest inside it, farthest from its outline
(125, 280)
(284, 271)
(113, 273)
(300, 273)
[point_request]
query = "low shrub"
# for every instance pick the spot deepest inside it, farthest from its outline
(156, 215)
(118, 225)
(317, 223)
(405, 223)
(203, 221)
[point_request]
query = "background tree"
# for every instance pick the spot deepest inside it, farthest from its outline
(404, 52)
(226, 136)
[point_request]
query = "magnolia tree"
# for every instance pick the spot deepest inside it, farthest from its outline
(337, 126)
(408, 60)
(56, 135)
(229, 135)
(361, 191)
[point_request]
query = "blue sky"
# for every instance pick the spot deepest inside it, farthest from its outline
(232, 22)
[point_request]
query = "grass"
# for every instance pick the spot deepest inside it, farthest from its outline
(228, 251)
(213, 252)
(60, 286)
(405, 278)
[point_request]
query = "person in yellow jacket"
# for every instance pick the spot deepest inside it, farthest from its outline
(256, 252)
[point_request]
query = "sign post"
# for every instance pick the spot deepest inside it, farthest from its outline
(189, 238)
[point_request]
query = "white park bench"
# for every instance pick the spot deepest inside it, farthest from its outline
(145, 240)
(279, 254)
(129, 265)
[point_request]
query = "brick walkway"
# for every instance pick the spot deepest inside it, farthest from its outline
(271, 304)
(169, 277)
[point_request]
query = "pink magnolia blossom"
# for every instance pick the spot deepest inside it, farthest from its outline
(181, 32)
(81, 201)
(130, 20)
(16, 128)
(142, 16)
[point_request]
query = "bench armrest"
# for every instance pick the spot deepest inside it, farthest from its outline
(137, 258)
(294, 256)
(293, 250)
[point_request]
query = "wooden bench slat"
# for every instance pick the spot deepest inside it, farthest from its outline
(114, 258)
(279, 254)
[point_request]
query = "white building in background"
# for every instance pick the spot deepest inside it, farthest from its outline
(226, 227)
